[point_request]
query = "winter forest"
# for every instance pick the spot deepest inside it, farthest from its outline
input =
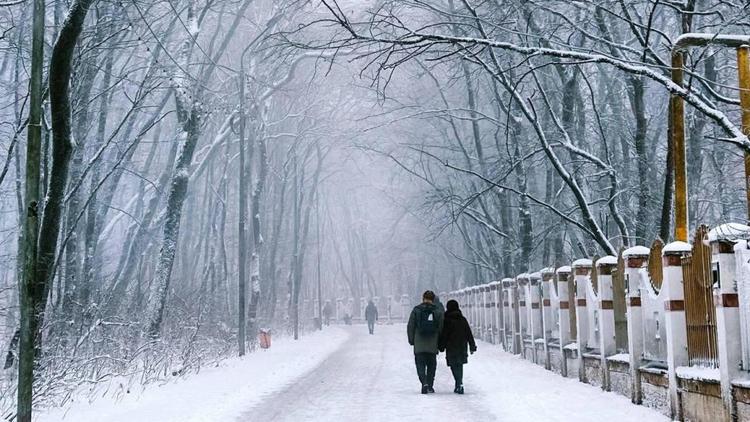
(177, 175)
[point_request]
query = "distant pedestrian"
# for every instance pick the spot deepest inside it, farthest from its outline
(423, 330)
(439, 304)
(455, 339)
(327, 312)
(371, 315)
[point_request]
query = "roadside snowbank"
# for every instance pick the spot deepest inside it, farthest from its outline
(518, 390)
(215, 394)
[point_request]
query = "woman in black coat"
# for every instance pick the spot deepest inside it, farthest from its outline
(456, 340)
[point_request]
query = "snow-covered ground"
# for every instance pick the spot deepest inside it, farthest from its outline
(215, 394)
(345, 374)
(372, 378)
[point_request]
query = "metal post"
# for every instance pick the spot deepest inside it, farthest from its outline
(743, 73)
(677, 108)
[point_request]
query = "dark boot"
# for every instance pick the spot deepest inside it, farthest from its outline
(425, 389)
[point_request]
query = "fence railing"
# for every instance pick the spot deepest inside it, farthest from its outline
(700, 313)
(522, 310)
(656, 310)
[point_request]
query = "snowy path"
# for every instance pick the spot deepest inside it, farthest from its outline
(372, 378)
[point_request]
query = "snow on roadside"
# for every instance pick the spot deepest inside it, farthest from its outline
(215, 394)
(518, 390)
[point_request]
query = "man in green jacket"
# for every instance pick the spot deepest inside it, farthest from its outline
(423, 330)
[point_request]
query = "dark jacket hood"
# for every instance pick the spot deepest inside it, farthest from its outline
(454, 314)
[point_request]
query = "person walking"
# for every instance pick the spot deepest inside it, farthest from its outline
(423, 330)
(371, 315)
(455, 339)
(439, 304)
(327, 312)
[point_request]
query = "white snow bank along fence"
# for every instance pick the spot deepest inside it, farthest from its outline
(667, 326)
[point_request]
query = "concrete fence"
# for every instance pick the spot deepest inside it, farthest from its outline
(666, 326)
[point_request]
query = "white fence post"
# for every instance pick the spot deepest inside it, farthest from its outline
(636, 260)
(513, 316)
(722, 240)
(522, 281)
(496, 289)
(549, 313)
(674, 307)
(565, 309)
(582, 271)
(536, 330)
(607, 344)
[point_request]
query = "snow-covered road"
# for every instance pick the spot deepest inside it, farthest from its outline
(372, 378)
(344, 374)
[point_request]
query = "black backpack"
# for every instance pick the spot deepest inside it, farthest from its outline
(427, 320)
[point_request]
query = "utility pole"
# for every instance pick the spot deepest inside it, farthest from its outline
(743, 71)
(677, 115)
(28, 328)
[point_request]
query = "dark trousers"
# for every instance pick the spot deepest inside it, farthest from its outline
(426, 364)
(371, 326)
(458, 374)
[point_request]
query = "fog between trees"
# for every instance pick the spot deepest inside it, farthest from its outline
(211, 161)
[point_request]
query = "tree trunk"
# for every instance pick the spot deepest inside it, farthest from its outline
(28, 308)
(39, 273)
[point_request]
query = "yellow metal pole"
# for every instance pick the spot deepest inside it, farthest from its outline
(743, 71)
(677, 108)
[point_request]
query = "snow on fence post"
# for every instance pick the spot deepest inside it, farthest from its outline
(607, 347)
(582, 281)
(482, 294)
(674, 318)
(567, 319)
(475, 310)
(636, 260)
(535, 317)
(742, 274)
(522, 281)
(478, 310)
(486, 309)
(469, 314)
(722, 240)
(512, 316)
(507, 314)
(478, 306)
(497, 318)
(550, 314)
